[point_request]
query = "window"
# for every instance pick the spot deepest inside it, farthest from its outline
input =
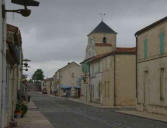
(98, 66)
(99, 90)
(145, 48)
(108, 62)
(145, 85)
(108, 88)
(104, 40)
(105, 89)
(93, 91)
(92, 69)
(162, 42)
(162, 83)
(73, 75)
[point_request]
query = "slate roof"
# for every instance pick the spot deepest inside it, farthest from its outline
(103, 28)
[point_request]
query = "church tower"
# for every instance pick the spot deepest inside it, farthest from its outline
(101, 40)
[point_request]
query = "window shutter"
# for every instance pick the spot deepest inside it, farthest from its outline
(98, 66)
(145, 48)
(162, 42)
(92, 69)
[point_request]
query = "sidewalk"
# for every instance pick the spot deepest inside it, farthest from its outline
(99, 105)
(33, 119)
(147, 115)
(129, 110)
(93, 104)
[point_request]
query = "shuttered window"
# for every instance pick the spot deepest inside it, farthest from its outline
(98, 66)
(162, 42)
(93, 71)
(85, 67)
(145, 48)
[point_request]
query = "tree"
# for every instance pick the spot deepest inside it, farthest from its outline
(38, 75)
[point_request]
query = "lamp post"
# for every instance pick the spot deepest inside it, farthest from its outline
(24, 12)
(25, 65)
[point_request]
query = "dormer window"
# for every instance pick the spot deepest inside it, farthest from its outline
(104, 40)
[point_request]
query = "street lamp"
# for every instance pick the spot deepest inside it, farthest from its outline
(24, 12)
(25, 64)
(27, 60)
(26, 2)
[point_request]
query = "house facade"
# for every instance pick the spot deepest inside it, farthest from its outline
(111, 84)
(151, 67)
(48, 85)
(66, 79)
(14, 58)
(105, 68)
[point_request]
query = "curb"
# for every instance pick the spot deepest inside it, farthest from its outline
(142, 116)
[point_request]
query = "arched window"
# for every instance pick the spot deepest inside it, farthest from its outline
(104, 40)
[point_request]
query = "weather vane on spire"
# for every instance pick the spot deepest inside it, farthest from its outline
(102, 15)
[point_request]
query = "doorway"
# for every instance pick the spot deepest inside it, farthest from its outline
(145, 86)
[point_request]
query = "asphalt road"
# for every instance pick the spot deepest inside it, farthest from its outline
(63, 113)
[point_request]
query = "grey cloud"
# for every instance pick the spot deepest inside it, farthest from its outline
(57, 30)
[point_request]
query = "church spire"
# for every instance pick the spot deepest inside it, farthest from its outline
(103, 28)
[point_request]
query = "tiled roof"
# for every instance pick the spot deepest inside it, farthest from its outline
(12, 28)
(48, 79)
(88, 59)
(103, 28)
(125, 50)
(15, 32)
(118, 51)
(151, 26)
(103, 44)
(68, 64)
(98, 57)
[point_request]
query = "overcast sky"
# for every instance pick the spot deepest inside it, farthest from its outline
(56, 32)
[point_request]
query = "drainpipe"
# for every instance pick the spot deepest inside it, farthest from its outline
(86, 88)
(136, 68)
(115, 77)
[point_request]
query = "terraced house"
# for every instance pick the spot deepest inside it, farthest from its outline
(110, 71)
(152, 67)
(14, 58)
(48, 85)
(66, 80)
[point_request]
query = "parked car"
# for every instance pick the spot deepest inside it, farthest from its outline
(44, 91)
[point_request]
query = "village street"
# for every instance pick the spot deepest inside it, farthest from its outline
(63, 113)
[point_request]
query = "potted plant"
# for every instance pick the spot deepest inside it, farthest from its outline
(21, 110)
(17, 113)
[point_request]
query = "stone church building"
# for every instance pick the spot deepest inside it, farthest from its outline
(109, 71)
